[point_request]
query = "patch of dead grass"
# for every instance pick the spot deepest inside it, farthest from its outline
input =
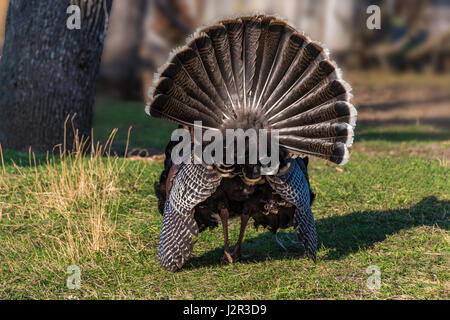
(74, 195)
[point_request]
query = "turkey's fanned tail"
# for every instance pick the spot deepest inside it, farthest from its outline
(258, 71)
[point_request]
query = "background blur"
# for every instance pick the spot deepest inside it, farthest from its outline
(400, 73)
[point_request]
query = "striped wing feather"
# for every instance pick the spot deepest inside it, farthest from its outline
(293, 186)
(193, 183)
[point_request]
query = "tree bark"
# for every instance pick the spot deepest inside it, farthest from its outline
(48, 72)
(3, 9)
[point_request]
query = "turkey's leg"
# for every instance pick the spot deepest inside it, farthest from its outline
(224, 215)
(237, 254)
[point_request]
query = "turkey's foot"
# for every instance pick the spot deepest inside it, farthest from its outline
(285, 240)
(238, 256)
(227, 258)
(291, 240)
(224, 215)
(280, 242)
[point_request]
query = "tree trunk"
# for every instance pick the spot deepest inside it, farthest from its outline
(3, 8)
(48, 72)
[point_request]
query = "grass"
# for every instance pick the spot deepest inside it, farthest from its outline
(149, 133)
(388, 207)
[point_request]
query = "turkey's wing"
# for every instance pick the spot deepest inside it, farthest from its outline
(293, 187)
(192, 184)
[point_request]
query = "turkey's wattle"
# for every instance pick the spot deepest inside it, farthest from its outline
(253, 72)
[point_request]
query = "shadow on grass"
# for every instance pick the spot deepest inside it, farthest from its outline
(342, 235)
(439, 123)
(393, 136)
(24, 159)
(369, 131)
(402, 104)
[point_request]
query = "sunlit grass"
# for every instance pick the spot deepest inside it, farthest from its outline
(386, 207)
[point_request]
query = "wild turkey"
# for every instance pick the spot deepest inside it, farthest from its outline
(248, 72)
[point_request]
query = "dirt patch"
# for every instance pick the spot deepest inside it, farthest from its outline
(401, 99)
(433, 151)
(154, 158)
(436, 151)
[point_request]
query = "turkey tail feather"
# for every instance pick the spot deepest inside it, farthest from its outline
(253, 29)
(258, 71)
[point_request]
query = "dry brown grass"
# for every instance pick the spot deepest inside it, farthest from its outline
(75, 189)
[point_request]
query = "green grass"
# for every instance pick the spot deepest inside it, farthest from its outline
(147, 133)
(388, 207)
